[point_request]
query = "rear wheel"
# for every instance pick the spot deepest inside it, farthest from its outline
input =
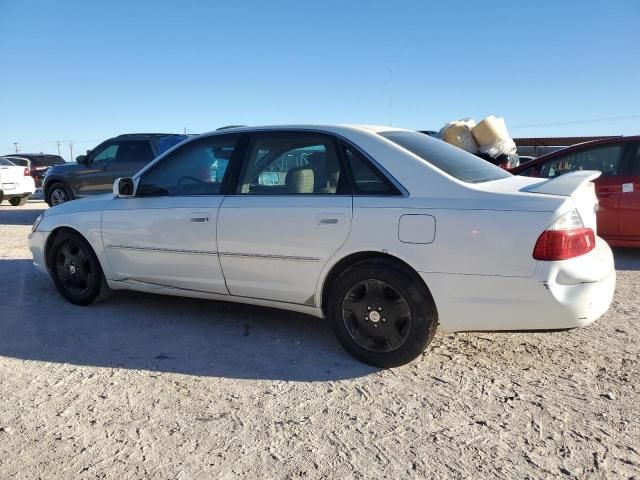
(18, 201)
(382, 314)
(57, 194)
(75, 270)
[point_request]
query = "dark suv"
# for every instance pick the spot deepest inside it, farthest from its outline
(38, 163)
(95, 172)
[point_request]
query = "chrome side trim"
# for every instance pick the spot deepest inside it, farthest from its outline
(270, 257)
(161, 250)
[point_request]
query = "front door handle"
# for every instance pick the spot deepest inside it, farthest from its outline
(200, 218)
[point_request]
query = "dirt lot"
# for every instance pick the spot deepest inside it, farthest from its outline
(157, 387)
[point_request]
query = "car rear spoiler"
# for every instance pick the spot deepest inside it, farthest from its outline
(564, 185)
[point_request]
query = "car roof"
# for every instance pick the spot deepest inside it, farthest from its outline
(334, 128)
(27, 155)
(149, 135)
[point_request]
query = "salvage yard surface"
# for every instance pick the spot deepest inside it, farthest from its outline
(144, 386)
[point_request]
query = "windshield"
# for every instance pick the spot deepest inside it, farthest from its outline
(452, 160)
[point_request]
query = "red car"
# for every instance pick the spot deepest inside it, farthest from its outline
(618, 189)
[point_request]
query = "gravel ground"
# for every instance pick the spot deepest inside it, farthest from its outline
(145, 386)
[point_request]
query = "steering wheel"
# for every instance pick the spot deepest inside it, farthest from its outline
(189, 177)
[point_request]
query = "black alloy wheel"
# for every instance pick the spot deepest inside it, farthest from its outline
(376, 315)
(75, 269)
(382, 313)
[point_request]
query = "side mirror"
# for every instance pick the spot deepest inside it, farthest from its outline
(82, 159)
(123, 187)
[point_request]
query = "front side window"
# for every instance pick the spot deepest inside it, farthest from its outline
(197, 168)
(107, 154)
(604, 159)
(635, 168)
(284, 164)
(134, 151)
(452, 160)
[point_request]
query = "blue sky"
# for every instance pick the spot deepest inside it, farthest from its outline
(88, 70)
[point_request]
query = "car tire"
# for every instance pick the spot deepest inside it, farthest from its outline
(18, 201)
(1, 196)
(57, 193)
(382, 313)
(75, 270)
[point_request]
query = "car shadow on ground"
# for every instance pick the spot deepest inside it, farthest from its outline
(165, 334)
(24, 215)
(627, 258)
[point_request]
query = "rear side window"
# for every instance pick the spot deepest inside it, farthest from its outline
(47, 160)
(291, 163)
(367, 181)
(452, 160)
(139, 152)
(6, 163)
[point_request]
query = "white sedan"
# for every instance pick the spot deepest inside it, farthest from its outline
(386, 232)
(16, 183)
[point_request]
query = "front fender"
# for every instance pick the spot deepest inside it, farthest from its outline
(87, 224)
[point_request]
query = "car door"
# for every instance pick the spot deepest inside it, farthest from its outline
(131, 157)
(92, 178)
(166, 234)
(290, 213)
(629, 207)
(606, 158)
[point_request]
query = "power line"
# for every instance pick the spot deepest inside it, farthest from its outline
(577, 122)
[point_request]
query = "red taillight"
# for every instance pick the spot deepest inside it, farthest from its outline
(26, 172)
(564, 244)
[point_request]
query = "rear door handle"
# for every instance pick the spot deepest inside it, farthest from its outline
(329, 218)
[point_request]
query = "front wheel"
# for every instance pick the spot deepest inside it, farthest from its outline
(75, 270)
(382, 314)
(18, 201)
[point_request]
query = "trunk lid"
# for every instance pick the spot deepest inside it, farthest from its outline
(577, 185)
(10, 177)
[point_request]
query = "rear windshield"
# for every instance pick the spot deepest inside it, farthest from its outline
(452, 160)
(46, 160)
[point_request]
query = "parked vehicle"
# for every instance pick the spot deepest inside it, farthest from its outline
(16, 185)
(386, 232)
(38, 163)
(94, 173)
(618, 189)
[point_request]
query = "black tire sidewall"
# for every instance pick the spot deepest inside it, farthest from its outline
(423, 312)
(18, 201)
(98, 284)
(52, 188)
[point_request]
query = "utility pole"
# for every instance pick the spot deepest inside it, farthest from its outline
(15, 144)
(71, 149)
(58, 142)
(185, 130)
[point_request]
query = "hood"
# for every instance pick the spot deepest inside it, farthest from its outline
(89, 204)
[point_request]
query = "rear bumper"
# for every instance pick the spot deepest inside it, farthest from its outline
(566, 294)
(23, 188)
